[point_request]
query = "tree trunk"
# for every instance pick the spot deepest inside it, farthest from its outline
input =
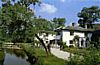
(42, 43)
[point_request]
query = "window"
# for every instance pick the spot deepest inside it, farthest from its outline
(71, 32)
(71, 41)
(86, 34)
(82, 42)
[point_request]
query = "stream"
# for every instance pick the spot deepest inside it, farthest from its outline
(13, 57)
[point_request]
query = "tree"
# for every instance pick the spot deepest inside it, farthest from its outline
(76, 40)
(19, 24)
(95, 39)
(87, 16)
(42, 25)
(15, 19)
(58, 22)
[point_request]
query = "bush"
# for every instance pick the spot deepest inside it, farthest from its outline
(90, 57)
(71, 46)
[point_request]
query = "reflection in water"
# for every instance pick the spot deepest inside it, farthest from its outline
(18, 53)
(14, 57)
(14, 60)
(32, 60)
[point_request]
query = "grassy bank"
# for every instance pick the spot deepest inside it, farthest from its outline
(1, 54)
(48, 60)
(86, 56)
(43, 59)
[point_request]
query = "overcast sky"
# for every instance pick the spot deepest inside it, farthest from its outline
(63, 8)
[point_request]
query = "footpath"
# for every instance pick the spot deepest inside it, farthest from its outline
(60, 54)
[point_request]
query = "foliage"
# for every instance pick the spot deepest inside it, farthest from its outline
(15, 20)
(2, 54)
(27, 48)
(95, 39)
(41, 25)
(19, 53)
(18, 23)
(88, 16)
(25, 3)
(43, 59)
(2, 57)
(76, 40)
(58, 22)
(89, 57)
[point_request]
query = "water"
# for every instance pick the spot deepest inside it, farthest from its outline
(14, 60)
(13, 57)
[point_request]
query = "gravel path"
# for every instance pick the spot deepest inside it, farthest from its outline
(60, 54)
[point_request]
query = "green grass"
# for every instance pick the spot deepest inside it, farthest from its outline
(75, 50)
(43, 59)
(86, 56)
(48, 60)
(2, 55)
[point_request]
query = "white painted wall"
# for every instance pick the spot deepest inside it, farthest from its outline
(66, 37)
(51, 37)
(46, 38)
(57, 37)
(80, 34)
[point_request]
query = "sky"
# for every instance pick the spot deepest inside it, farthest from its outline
(68, 9)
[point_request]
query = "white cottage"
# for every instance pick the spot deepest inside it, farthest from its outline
(46, 36)
(68, 34)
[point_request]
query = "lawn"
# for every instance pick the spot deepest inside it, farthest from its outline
(48, 60)
(43, 59)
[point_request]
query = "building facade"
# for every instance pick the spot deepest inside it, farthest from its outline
(68, 34)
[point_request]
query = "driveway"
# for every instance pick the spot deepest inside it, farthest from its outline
(60, 54)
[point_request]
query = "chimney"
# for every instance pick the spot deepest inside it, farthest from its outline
(73, 24)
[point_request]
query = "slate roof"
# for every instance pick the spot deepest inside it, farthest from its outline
(75, 28)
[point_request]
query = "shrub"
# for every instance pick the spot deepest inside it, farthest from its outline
(71, 46)
(89, 57)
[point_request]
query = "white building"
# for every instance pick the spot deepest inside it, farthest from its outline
(46, 36)
(68, 34)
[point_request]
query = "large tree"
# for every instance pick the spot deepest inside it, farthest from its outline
(18, 23)
(58, 22)
(15, 19)
(87, 16)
